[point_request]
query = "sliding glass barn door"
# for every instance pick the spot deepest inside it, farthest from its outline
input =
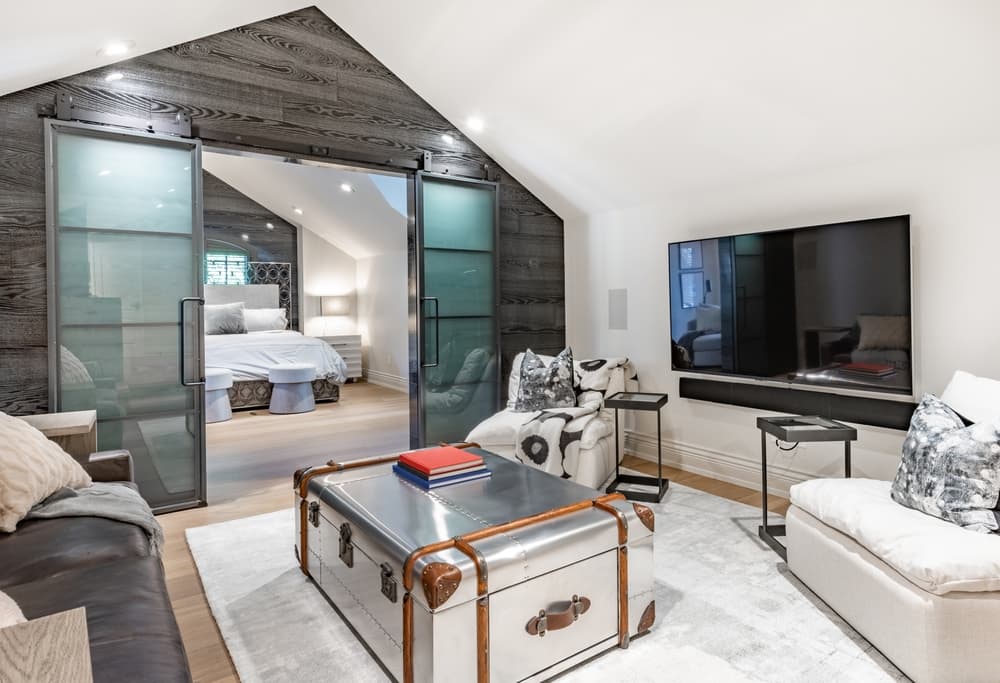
(125, 281)
(458, 337)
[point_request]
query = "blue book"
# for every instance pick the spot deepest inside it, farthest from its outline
(403, 473)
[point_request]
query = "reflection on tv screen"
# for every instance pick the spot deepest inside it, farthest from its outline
(824, 305)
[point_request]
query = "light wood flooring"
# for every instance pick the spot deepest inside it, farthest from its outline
(250, 464)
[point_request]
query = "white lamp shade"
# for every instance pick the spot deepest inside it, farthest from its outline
(335, 305)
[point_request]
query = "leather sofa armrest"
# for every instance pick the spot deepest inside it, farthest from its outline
(110, 466)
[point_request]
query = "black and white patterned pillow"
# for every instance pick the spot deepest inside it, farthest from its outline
(949, 469)
(545, 386)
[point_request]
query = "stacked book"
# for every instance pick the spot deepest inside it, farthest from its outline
(433, 468)
(874, 370)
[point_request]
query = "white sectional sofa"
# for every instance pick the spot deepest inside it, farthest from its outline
(925, 592)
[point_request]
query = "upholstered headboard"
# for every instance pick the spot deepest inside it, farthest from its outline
(253, 296)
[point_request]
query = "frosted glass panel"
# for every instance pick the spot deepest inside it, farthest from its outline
(458, 285)
(122, 277)
(458, 216)
(122, 370)
(113, 184)
(161, 449)
(463, 281)
(128, 247)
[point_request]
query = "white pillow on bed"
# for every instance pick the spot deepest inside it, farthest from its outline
(264, 319)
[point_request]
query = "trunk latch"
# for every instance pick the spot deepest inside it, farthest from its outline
(314, 513)
(346, 547)
(388, 583)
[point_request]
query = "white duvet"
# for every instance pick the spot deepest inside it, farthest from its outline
(248, 356)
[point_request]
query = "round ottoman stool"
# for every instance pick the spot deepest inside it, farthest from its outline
(292, 391)
(217, 383)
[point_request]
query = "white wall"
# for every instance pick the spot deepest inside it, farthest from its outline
(326, 271)
(383, 286)
(951, 197)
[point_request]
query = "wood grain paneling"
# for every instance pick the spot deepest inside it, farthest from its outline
(230, 214)
(299, 78)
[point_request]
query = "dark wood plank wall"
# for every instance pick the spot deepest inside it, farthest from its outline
(230, 214)
(297, 77)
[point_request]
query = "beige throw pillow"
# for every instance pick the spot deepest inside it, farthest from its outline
(884, 332)
(32, 468)
(10, 613)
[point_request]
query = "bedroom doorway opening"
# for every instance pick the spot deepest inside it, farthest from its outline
(306, 263)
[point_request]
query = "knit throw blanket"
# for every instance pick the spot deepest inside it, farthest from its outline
(551, 440)
(117, 502)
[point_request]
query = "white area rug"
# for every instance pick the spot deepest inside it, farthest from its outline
(727, 608)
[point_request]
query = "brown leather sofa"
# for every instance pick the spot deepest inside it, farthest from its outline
(52, 565)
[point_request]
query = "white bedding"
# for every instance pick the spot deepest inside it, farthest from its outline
(248, 356)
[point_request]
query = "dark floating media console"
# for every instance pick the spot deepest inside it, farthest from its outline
(875, 412)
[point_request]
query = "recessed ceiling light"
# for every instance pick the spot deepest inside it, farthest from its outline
(172, 190)
(187, 168)
(475, 124)
(297, 210)
(270, 226)
(346, 187)
(104, 172)
(159, 205)
(114, 76)
(116, 48)
(448, 140)
(245, 237)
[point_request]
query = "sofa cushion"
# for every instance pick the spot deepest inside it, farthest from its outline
(131, 626)
(43, 548)
(935, 555)
(950, 470)
(500, 430)
(32, 468)
(977, 399)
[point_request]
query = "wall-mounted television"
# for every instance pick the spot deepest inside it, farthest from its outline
(825, 305)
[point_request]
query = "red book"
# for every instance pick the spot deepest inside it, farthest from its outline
(441, 459)
(869, 368)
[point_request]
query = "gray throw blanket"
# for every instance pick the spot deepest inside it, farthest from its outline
(110, 501)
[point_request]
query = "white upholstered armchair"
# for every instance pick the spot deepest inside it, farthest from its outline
(594, 461)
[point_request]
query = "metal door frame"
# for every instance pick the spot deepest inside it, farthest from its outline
(417, 318)
(52, 128)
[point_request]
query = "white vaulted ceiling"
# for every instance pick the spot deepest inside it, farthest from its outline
(598, 105)
(364, 222)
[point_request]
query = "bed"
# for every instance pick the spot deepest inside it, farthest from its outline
(249, 355)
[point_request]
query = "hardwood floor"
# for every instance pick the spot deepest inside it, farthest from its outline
(250, 464)
(723, 489)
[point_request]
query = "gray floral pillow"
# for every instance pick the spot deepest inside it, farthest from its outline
(545, 386)
(950, 470)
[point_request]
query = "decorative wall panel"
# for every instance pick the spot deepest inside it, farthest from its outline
(297, 77)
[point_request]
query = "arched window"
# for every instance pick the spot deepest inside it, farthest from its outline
(225, 264)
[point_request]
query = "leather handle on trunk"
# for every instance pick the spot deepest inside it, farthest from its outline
(558, 616)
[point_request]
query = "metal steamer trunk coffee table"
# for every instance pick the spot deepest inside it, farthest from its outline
(622, 483)
(795, 429)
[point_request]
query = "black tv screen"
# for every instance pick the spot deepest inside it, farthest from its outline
(822, 305)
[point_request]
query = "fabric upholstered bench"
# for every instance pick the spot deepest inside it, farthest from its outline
(925, 592)
(292, 391)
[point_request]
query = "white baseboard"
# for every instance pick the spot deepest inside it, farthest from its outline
(714, 464)
(387, 380)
